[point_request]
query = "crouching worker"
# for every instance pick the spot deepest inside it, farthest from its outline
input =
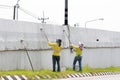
(56, 54)
(78, 57)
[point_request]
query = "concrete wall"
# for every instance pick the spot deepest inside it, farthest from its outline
(97, 54)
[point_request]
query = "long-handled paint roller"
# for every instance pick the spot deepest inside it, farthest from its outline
(44, 34)
(22, 42)
(69, 41)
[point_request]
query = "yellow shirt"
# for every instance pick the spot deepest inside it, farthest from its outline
(56, 48)
(78, 50)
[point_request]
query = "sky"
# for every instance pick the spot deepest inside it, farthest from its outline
(80, 12)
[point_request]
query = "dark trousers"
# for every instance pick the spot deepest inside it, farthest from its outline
(79, 59)
(56, 59)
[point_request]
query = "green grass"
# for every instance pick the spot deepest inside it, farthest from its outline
(109, 69)
(41, 73)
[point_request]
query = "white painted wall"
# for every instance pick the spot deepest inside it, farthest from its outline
(97, 54)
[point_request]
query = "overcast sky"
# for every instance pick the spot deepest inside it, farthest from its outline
(80, 11)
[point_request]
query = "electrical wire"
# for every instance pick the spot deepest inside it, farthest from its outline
(29, 13)
(25, 11)
(6, 6)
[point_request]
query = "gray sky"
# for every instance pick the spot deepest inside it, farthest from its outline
(80, 11)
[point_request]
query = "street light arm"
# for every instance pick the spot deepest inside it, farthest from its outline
(93, 20)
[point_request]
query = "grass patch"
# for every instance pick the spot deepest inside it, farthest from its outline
(94, 70)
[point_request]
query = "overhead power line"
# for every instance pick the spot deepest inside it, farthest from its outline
(29, 13)
(15, 12)
(5, 6)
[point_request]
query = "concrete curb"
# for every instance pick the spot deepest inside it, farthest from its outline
(39, 77)
(14, 77)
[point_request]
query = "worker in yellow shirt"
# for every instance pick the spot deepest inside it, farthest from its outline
(78, 57)
(56, 54)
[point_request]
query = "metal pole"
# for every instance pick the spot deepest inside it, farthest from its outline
(28, 55)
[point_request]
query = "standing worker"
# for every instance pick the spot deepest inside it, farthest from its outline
(78, 57)
(56, 54)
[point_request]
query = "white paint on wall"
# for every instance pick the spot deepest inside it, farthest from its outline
(97, 54)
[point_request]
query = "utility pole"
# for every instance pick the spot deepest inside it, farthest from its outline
(66, 13)
(15, 13)
(43, 18)
(66, 21)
